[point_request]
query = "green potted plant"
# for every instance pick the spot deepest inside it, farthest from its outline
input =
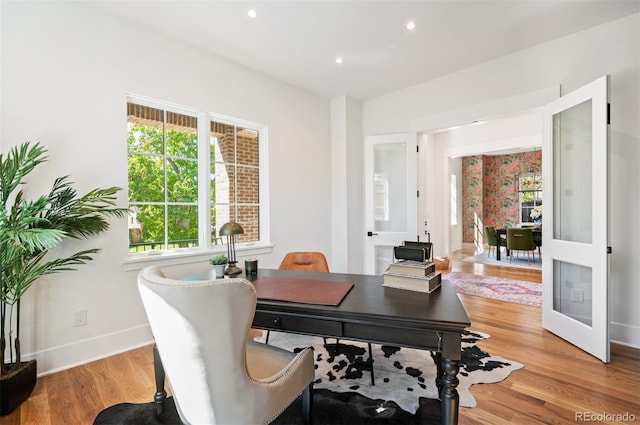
(219, 262)
(29, 230)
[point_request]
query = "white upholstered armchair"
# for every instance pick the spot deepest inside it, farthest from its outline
(216, 376)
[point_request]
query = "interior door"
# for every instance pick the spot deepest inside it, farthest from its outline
(390, 197)
(575, 269)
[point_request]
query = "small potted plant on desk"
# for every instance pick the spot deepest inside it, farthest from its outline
(219, 262)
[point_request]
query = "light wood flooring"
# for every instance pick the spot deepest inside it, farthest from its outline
(557, 383)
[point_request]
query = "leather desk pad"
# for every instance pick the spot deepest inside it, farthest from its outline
(306, 291)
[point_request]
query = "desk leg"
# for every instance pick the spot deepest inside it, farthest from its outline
(158, 369)
(449, 395)
(437, 359)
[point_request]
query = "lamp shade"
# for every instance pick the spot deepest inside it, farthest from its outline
(231, 228)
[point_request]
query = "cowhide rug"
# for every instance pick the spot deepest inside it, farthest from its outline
(329, 408)
(402, 375)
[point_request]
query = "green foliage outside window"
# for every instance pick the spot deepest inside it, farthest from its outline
(147, 187)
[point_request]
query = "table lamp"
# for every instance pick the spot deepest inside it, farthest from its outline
(231, 230)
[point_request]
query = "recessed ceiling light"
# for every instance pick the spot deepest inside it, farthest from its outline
(252, 13)
(410, 25)
(339, 60)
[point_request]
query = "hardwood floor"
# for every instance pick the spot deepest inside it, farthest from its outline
(557, 383)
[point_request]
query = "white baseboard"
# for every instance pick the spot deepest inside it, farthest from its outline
(624, 334)
(78, 353)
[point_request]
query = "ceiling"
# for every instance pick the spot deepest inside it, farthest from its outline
(298, 41)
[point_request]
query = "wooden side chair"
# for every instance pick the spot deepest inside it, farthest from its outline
(521, 240)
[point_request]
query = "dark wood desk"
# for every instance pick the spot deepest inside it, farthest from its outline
(537, 233)
(373, 313)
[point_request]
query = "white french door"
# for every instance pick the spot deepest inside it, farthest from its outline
(390, 197)
(575, 269)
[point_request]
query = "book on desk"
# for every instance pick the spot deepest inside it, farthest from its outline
(413, 268)
(413, 276)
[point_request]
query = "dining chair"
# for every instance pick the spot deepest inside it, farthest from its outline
(537, 239)
(491, 238)
(519, 239)
(215, 375)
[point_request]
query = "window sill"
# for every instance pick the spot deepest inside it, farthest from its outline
(190, 255)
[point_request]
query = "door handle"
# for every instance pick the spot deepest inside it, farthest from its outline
(371, 234)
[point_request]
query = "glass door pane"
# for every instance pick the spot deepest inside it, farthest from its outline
(572, 174)
(572, 291)
(390, 187)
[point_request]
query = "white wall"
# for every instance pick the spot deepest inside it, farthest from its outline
(571, 62)
(66, 69)
(347, 197)
(455, 169)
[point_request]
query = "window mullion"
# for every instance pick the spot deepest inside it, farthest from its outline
(234, 202)
(204, 182)
(165, 156)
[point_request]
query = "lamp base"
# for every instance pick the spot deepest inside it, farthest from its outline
(233, 270)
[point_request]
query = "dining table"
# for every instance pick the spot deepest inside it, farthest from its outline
(501, 236)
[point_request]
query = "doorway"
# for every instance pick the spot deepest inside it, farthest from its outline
(434, 210)
(505, 138)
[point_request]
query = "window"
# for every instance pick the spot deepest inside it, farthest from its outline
(189, 171)
(530, 190)
(235, 178)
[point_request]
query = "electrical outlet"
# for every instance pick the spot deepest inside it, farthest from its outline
(577, 295)
(80, 317)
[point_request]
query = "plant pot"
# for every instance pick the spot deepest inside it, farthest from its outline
(219, 270)
(17, 386)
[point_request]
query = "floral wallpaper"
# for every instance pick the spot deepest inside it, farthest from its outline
(472, 195)
(489, 195)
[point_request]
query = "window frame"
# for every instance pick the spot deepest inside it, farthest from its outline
(206, 248)
(537, 195)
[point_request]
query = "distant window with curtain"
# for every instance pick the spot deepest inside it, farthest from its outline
(530, 192)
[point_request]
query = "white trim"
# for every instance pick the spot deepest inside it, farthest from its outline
(494, 109)
(624, 334)
(78, 353)
(191, 255)
(492, 145)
